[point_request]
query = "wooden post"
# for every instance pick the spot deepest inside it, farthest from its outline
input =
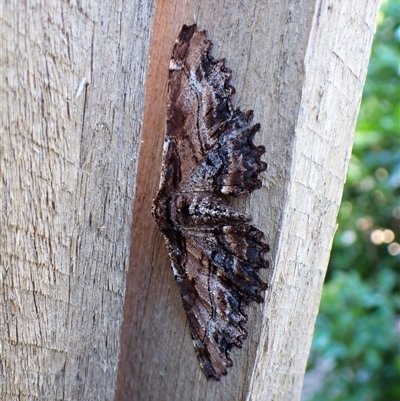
(83, 121)
(71, 104)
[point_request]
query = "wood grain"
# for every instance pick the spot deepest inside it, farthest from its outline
(71, 104)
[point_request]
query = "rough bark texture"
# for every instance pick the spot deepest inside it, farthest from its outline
(71, 104)
(73, 117)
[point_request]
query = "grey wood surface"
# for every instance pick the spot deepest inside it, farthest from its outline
(72, 98)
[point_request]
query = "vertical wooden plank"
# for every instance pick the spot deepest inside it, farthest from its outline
(264, 45)
(71, 107)
(335, 68)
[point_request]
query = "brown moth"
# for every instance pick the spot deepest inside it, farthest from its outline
(209, 154)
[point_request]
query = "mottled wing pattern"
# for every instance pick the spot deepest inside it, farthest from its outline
(232, 165)
(215, 255)
(209, 153)
(198, 98)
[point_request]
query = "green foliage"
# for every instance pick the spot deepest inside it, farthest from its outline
(355, 331)
(358, 327)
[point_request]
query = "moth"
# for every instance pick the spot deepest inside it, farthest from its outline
(209, 155)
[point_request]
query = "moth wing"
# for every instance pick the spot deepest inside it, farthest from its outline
(210, 143)
(213, 309)
(232, 166)
(198, 99)
(215, 262)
